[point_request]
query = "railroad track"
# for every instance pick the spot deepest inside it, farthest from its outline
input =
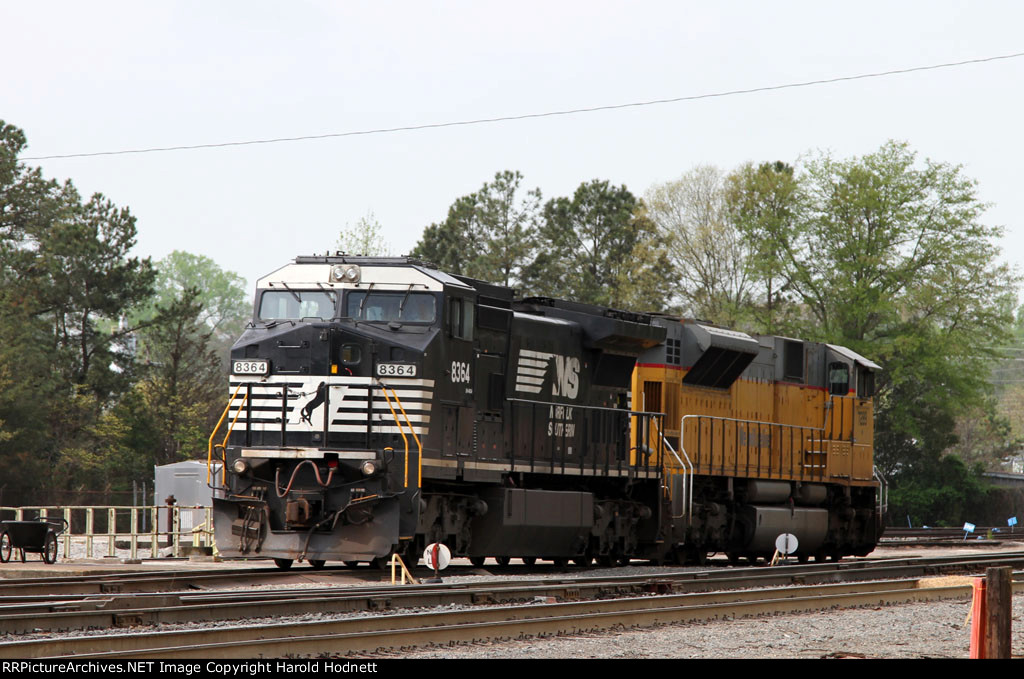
(27, 614)
(109, 584)
(952, 533)
(391, 632)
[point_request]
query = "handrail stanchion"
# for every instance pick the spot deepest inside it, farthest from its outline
(401, 429)
(213, 434)
(419, 444)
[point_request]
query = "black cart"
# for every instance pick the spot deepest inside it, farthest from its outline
(38, 537)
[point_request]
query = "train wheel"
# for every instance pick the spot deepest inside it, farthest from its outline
(623, 560)
(350, 564)
(317, 564)
(835, 557)
(503, 560)
(583, 561)
(560, 562)
(696, 556)
(529, 560)
(5, 547)
(819, 557)
(803, 558)
(477, 561)
(734, 558)
(50, 548)
(283, 564)
(605, 560)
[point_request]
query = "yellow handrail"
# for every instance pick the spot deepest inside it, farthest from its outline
(401, 429)
(224, 443)
(209, 451)
(419, 445)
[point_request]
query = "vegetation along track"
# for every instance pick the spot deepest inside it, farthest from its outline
(585, 604)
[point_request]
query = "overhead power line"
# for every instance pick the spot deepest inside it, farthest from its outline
(529, 116)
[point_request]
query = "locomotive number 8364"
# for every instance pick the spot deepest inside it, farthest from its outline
(378, 405)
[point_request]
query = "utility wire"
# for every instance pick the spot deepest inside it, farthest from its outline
(528, 116)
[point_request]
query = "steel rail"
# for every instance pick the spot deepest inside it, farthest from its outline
(22, 615)
(371, 634)
(170, 581)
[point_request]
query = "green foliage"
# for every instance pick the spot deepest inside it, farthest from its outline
(107, 366)
(985, 437)
(184, 384)
(221, 295)
(489, 235)
(943, 493)
(67, 280)
(891, 257)
(365, 237)
(708, 257)
(764, 205)
(588, 246)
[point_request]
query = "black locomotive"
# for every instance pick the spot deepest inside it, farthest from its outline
(379, 405)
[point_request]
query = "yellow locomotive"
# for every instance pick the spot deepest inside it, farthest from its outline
(764, 436)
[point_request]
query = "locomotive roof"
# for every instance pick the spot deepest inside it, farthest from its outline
(315, 270)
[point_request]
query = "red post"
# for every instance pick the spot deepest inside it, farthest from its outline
(978, 619)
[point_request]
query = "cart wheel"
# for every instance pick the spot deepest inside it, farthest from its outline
(50, 548)
(5, 547)
(283, 564)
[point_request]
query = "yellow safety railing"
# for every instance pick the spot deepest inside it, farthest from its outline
(401, 430)
(419, 445)
(223, 446)
(396, 563)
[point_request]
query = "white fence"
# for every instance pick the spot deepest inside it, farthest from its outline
(188, 526)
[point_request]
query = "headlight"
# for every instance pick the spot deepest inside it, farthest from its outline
(240, 466)
(369, 468)
(345, 273)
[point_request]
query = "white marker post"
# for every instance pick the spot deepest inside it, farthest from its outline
(436, 556)
(785, 545)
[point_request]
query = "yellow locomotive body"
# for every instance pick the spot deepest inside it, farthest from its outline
(765, 435)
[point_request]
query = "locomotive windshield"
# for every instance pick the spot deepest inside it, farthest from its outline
(404, 307)
(296, 304)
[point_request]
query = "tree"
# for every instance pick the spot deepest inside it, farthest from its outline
(763, 204)
(489, 234)
(184, 387)
(221, 295)
(891, 257)
(588, 243)
(364, 238)
(187, 328)
(708, 256)
(67, 280)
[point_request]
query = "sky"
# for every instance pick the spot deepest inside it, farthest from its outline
(85, 77)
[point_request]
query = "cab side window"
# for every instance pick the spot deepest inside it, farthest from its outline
(838, 379)
(460, 318)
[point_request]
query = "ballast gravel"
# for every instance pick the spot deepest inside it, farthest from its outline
(921, 630)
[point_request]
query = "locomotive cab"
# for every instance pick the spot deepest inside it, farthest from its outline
(332, 384)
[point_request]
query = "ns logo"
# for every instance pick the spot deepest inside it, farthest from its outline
(535, 369)
(567, 376)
